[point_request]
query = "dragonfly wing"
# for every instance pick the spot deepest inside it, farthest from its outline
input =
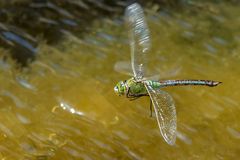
(123, 67)
(139, 38)
(165, 112)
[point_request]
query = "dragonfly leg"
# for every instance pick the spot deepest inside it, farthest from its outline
(128, 92)
(133, 98)
(136, 96)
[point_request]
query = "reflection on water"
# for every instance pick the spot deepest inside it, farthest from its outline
(63, 106)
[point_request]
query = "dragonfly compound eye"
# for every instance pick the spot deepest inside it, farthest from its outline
(116, 89)
(119, 88)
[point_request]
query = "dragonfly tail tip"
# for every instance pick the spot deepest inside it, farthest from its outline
(215, 83)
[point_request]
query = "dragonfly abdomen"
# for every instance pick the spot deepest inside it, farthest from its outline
(188, 82)
(153, 84)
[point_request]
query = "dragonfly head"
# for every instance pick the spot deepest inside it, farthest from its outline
(120, 88)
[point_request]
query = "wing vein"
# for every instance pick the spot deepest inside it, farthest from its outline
(165, 113)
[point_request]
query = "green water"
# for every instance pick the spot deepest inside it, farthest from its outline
(63, 106)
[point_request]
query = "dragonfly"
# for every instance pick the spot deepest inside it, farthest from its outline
(139, 86)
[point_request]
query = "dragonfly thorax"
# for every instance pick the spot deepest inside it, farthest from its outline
(130, 87)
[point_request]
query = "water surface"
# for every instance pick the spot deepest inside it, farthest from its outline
(63, 105)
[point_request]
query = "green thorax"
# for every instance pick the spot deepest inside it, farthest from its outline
(138, 87)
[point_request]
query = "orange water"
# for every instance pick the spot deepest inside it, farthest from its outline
(63, 106)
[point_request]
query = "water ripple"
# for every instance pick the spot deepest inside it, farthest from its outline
(184, 138)
(23, 119)
(54, 7)
(24, 83)
(10, 36)
(69, 108)
(6, 130)
(233, 132)
(18, 103)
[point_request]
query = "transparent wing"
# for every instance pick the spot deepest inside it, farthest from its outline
(165, 112)
(123, 67)
(139, 38)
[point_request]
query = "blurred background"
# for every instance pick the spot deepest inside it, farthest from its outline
(59, 62)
